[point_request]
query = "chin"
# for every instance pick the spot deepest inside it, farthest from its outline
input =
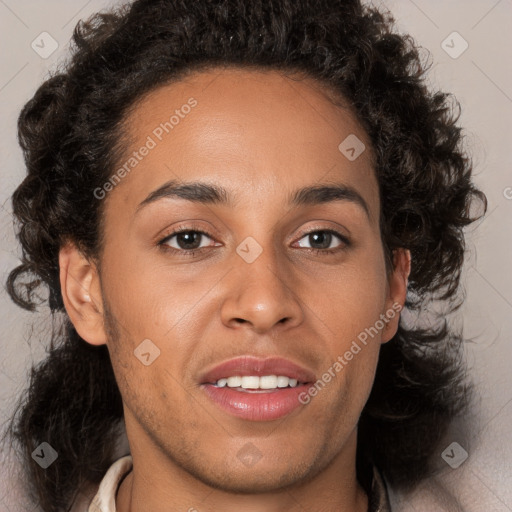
(258, 479)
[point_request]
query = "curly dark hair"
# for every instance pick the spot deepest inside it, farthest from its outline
(71, 134)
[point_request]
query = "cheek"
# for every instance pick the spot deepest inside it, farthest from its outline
(350, 298)
(152, 299)
(350, 307)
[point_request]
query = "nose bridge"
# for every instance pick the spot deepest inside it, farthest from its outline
(261, 292)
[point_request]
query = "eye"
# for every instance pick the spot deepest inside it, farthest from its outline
(321, 241)
(185, 240)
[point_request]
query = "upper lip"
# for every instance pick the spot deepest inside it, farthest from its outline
(250, 365)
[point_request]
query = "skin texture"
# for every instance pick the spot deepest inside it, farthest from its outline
(266, 138)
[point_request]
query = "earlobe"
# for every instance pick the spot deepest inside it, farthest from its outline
(81, 294)
(397, 292)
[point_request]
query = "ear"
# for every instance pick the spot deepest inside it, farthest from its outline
(81, 294)
(397, 292)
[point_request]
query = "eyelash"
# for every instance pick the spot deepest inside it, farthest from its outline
(192, 252)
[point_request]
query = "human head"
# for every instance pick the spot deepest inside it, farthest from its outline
(72, 135)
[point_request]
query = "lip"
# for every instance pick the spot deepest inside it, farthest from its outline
(261, 405)
(256, 406)
(250, 365)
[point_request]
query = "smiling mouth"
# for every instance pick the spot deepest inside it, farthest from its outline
(256, 389)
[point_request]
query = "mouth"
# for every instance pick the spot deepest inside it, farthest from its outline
(257, 389)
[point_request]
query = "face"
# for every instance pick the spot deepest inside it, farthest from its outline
(254, 273)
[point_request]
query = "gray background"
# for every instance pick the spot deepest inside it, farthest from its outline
(480, 78)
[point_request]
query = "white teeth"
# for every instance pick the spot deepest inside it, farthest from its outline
(282, 382)
(255, 382)
(234, 382)
(250, 382)
(222, 382)
(268, 382)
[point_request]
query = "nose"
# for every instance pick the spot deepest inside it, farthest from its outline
(262, 294)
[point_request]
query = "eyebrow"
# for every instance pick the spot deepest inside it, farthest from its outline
(206, 193)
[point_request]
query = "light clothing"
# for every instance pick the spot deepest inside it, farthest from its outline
(105, 499)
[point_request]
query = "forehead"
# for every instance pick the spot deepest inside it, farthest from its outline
(254, 130)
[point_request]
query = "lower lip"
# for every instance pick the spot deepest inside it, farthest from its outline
(260, 406)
